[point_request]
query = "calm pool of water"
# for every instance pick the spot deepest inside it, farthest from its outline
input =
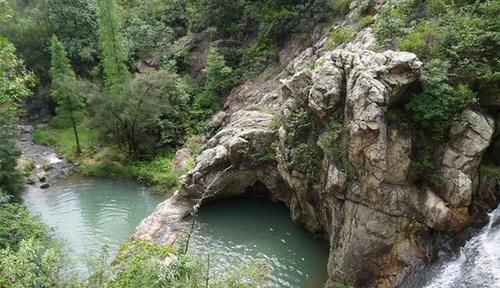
(87, 214)
(240, 231)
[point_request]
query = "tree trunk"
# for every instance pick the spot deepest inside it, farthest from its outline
(73, 123)
(207, 277)
(189, 234)
(78, 148)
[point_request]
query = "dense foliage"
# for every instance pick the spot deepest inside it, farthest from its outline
(14, 84)
(114, 56)
(107, 40)
(459, 42)
(150, 113)
(75, 24)
(65, 91)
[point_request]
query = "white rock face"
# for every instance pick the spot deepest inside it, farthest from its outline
(470, 137)
(363, 198)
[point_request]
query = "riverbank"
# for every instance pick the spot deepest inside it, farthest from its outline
(160, 173)
(88, 213)
(40, 164)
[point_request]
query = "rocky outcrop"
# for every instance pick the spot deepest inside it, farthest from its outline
(181, 160)
(322, 144)
(238, 157)
(470, 137)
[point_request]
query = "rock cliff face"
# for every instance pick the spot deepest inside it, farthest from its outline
(320, 140)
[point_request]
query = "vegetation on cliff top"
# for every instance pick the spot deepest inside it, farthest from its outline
(459, 43)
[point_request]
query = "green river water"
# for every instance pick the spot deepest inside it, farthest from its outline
(87, 214)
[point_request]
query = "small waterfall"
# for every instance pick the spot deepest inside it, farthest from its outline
(477, 265)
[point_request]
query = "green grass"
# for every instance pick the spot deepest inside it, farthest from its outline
(156, 173)
(341, 6)
(64, 140)
(340, 285)
(110, 161)
(493, 171)
(365, 21)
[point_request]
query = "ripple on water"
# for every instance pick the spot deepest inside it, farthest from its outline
(87, 214)
(240, 231)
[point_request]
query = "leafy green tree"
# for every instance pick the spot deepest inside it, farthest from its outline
(151, 113)
(75, 24)
(220, 78)
(29, 30)
(439, 103)
(70, 102)
(14, 83)
(151, 27)
(114, 55)
(6, 13)
(219, 81)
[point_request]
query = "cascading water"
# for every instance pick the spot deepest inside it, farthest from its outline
(476, 266)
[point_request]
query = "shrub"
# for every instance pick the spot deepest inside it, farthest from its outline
(158, 173)
(438, 105)
(298, 126)
(488, 170)
(256, 57)
(432, 112)
(141, 263)
(365, 21)
(339, 36)
(391, 20)
(11, 180)
(332, 141)
(424, 39)
(31, 265)
(341, 6)
(309, 157)
(16, 224)
(334, 145)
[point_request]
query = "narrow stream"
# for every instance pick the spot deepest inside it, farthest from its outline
(87, 214)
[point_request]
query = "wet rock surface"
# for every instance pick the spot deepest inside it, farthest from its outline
(45, 166)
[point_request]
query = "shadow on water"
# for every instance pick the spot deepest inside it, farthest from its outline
(88, 213)
(241, 231)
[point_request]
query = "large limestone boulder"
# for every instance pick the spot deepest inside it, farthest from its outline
(470, 137)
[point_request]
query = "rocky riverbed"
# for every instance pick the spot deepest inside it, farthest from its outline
(45, 165)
